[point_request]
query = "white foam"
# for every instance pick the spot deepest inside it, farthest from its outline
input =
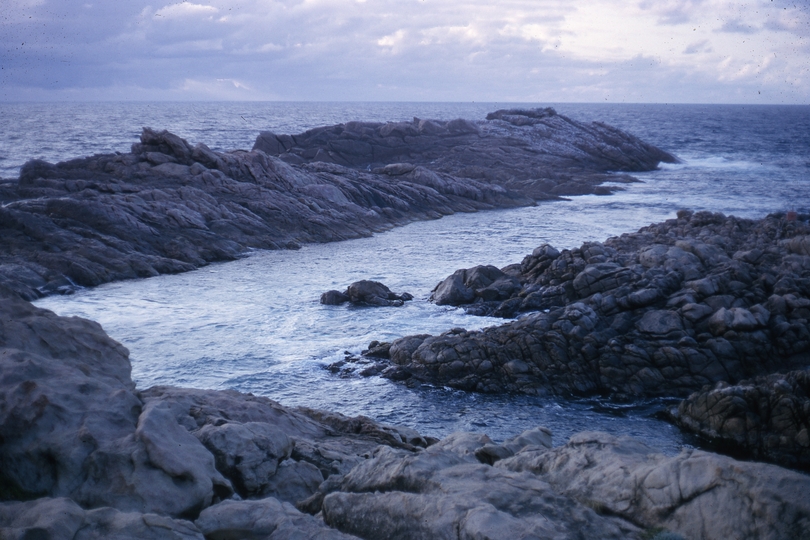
(715, 162)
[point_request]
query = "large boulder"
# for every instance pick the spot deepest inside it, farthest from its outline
(366, 293)
(765, 418)
(63, 519)
(695, 494)
(72, 424)
(480, 283)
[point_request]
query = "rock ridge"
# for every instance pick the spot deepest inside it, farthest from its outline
(692, 301)
(169, 206)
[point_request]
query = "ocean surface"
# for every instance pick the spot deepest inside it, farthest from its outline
(255, 324)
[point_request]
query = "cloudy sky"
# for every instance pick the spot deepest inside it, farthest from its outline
(668, 51)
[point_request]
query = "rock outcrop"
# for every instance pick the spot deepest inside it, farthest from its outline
(692, 301)
(366, 293)
(595, 486)
(765, 418)
(695, 494)
(63, 519)
(536, 152)
(169, 206)
(72, 424)
(86, 455)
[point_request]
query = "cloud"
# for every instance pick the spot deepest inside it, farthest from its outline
(674, 12)
(737, 27)
(186, 10)
(698, 47)
(663, 50)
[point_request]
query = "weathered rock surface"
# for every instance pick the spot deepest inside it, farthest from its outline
(446, 493)
(169, 207)
(696, 494)
(366, 293)
(63, 519)
(73, 425)
(692, 301)
(595, 486)
(265, 519)
(115, 462)
(764, 418)
(532, 151)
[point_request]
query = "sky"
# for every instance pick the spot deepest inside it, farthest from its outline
(637, 51)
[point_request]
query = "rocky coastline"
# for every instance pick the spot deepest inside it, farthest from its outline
(85, 454)
(169, 206)
(704, 304)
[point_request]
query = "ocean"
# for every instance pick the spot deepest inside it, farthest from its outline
(255, 324)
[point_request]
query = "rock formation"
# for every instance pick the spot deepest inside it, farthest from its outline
(695, 494)
(72, 424)
(692, 301)
(764, 418)
(536, 152)
(170, 207)
(366, 293)
(595, 486)
(86, 455)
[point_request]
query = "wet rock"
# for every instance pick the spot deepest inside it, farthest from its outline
(664, 311)
(169, 206)
(486, 283)
(764, 418)
(334, 298)
(366, 293)
(374, 293)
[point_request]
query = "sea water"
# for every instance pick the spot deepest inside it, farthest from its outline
(255, 324)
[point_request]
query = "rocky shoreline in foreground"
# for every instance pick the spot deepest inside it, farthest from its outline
(84, 454)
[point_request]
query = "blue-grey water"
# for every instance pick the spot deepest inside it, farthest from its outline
(256, 325)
